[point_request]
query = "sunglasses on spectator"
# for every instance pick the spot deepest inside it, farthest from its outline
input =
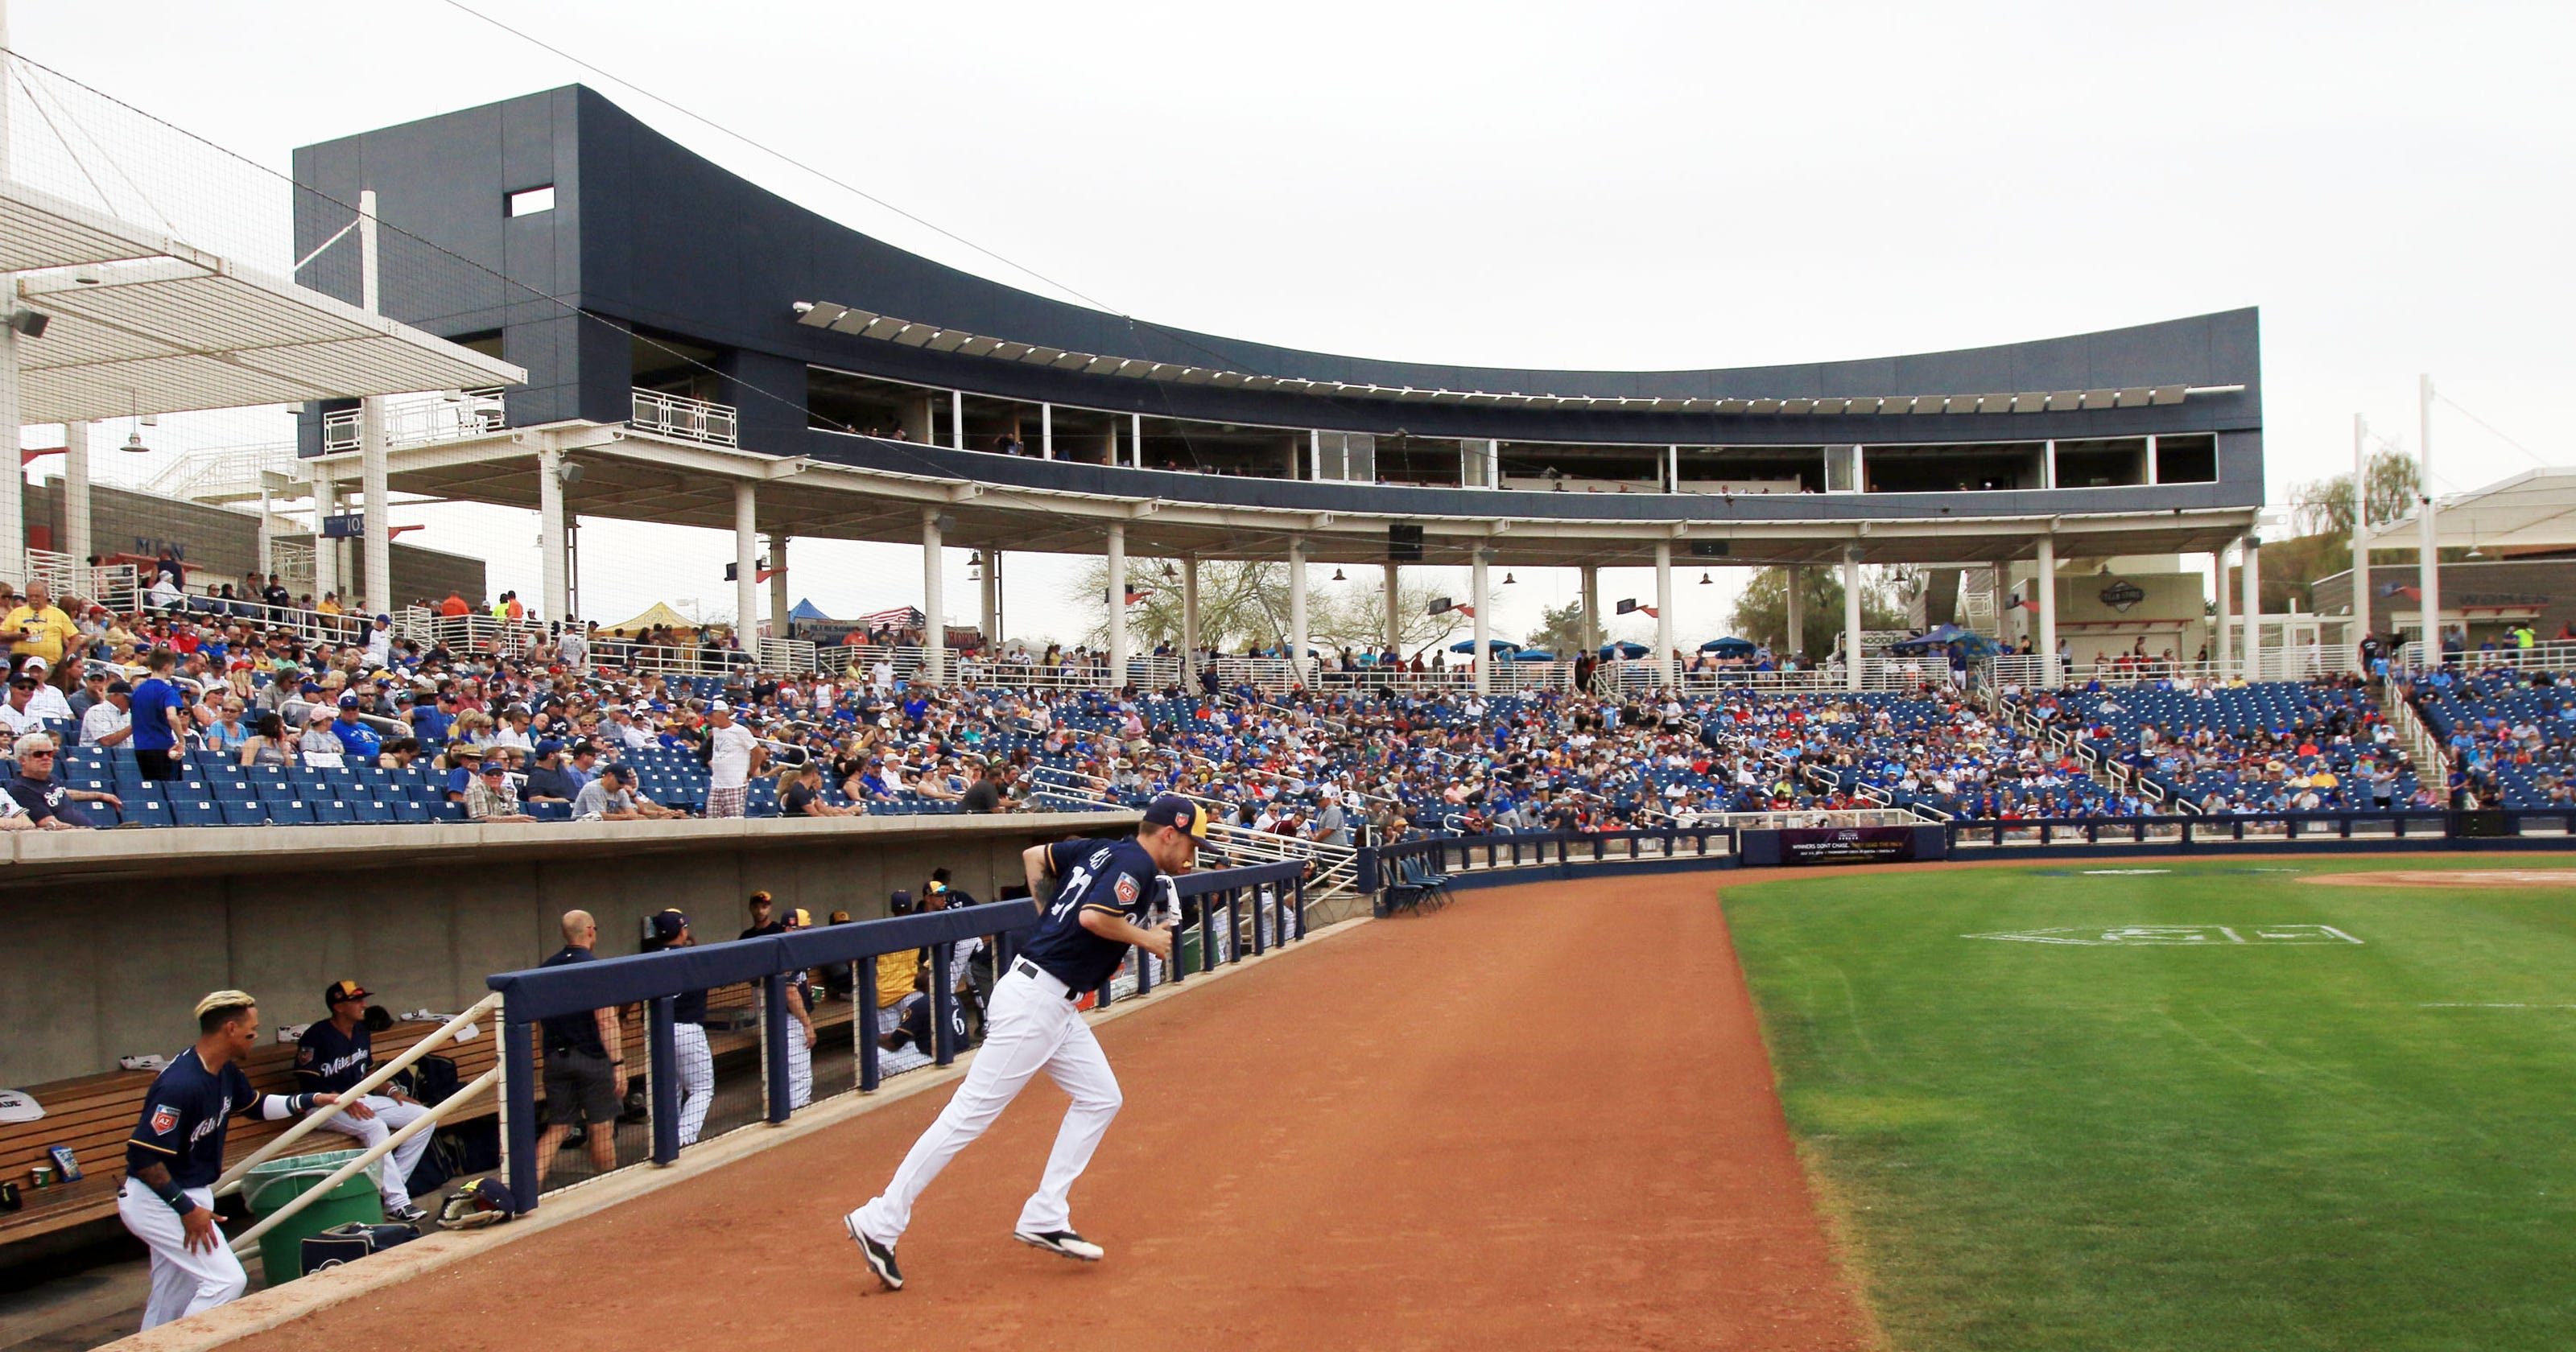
(35, 755)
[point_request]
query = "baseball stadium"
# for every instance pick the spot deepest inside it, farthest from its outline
(2024, 921)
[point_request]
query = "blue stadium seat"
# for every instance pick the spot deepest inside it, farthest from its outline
(193, 811)
(242, 811)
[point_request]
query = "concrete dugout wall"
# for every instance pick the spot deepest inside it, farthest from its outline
(112, 935)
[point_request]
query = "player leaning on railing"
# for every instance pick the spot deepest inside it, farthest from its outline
(1107, 895)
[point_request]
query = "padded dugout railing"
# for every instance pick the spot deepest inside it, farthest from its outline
(657, 979)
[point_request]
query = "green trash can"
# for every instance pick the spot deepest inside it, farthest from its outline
(1185, 951)
(270, 1186)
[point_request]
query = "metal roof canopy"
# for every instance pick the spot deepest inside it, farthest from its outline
(142, 323)
(2535, 509)
(911, 333)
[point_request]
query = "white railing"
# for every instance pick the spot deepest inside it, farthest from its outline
(2430, 759)
(421, 419)
(2554, 655)
(222, 474)
(291, 561)
(117, 586)
(1877, 673)
(786, 656)
(687, 419)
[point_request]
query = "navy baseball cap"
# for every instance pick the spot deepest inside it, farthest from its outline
(549, 747)
(338, 991)
(1171, 809)
(349, 701)
(667, 925)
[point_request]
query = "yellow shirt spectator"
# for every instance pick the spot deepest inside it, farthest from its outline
(895, 975)
(40, 631)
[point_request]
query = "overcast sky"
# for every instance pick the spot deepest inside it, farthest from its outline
(1617, 186)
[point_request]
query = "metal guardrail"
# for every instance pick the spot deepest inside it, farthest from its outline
(687, 419)
(657, 979)
(1533, 849)
(421, 419)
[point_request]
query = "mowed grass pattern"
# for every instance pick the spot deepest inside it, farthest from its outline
(2036, 1146)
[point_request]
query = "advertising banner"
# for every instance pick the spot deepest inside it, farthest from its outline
(1847, 845)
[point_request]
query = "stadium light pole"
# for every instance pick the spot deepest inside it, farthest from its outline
(2428, 565)
(2360, 542)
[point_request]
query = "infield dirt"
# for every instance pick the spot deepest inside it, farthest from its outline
(2455, 878)
(1540, 1119)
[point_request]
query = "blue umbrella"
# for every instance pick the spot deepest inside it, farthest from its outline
(1623, 648)
(1533, 655)
(1493, 645)
(1730, 647)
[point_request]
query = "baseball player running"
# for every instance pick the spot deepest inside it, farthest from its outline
(688, 1032)
(177, 1152)
(333, 1055)
(1102, 889)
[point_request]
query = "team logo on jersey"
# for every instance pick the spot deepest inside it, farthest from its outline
(304, 1056)
(164, 1117)
(1127, 890)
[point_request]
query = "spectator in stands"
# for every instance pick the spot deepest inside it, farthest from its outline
(227, 732)
(547, 780)
(266, 747)
(802, 795)
(160, 718)
(332, 1056)
(733, 754)
(491, 797)
(318, 739)
(585, 1076)
(454, 607)
(358, 742)
(399, 753)
(109, 722)
(51, 805)
(982, 794)
(612, 797)
(39, 628)
(19, 711)
(48, 701)
(92, 692)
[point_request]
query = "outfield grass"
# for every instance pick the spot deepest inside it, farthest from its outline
(2116, 1149)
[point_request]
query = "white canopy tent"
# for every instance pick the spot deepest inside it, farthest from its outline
(2535, 509)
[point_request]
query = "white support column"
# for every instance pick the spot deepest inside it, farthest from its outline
(1672, 469)
(1046, 432)
(957, 419)
(778, 602)
(1394, 617)
(2222, 644)
(1851, 619)
(746, 563)
(2046, 582)
(554, 565)
(267, 530)
(2428, 554)
(326, 553)
(1797, 608)
(13, 486)
(1664, 612)
(1189, 619)
(1314, 455)
(1594, 634)
(2361, 597)
(991, 621)
(934, 600)
(1297, 639)
(1117, 599)
(376, 544)
(2253, 616)
(75, 541)
(1136, 439)
(1480, 600)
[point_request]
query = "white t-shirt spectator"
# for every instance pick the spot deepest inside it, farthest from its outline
(598, 800)
(20, 721)
(48, 702)
(729, 765)
(104, 719)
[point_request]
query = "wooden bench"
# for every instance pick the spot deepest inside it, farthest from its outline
(95, 1116)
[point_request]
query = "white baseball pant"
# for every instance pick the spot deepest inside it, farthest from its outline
(800, 1062)
(394, 1171)
(183, 1282)
(1031, 1027)
(697, 1078)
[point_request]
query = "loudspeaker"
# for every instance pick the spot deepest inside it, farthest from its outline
(1403, 543)
(1709, 549)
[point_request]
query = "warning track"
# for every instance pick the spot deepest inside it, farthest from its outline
(1541, 1119)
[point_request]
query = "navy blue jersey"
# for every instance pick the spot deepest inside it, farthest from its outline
(327, 1063)
(1114, 876)
(691, 1007)
(183, 1119)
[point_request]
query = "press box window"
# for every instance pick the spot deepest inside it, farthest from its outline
(530, 201)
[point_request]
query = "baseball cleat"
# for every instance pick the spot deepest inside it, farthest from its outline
(412, 1214)
(880, 1256)
(1064, 1242)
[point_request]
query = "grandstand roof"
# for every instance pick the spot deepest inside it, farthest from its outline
(2535, 509)
(142, 323)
